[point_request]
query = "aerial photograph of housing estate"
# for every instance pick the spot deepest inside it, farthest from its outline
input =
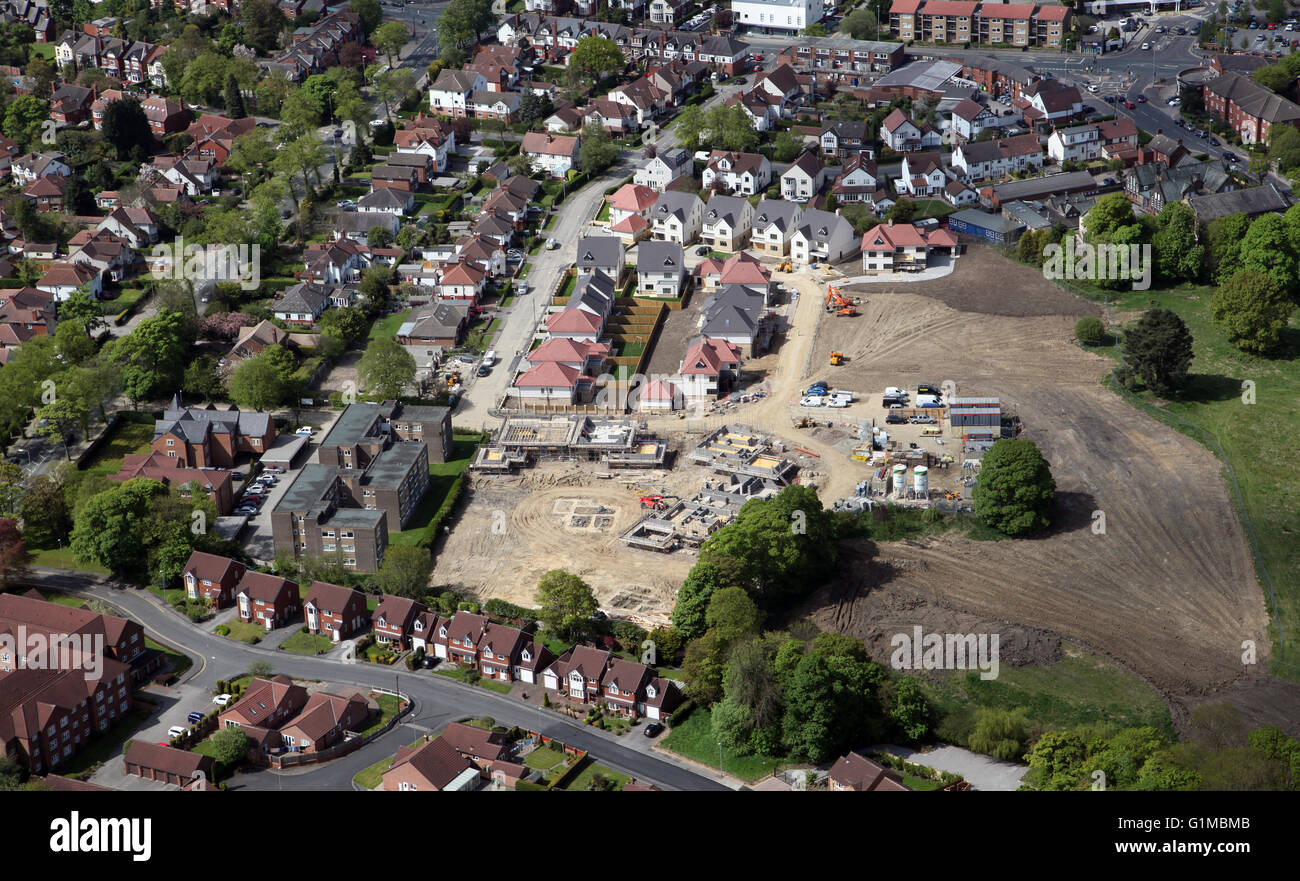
(609, 395)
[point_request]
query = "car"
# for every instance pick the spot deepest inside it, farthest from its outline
(1173, 102)
(484, 370)
(305, 431)
(816, 391)
(338, 133)
(1129, 105)
(895, 419)
(552, 244)
(222, 699)
(175, 731)
(1146, 46)
(929, 403)
(838, 401)
(467, 359)
(1092, 87)
(1230, 157)
(273, 469)
(742, 81)
(196, 716)
(702, 250)
(810, 401)
(922, 419)
(1213, 142)
(1160, 29)
(515, 254)
(928, 389)
(1142, 99)
(654, 729)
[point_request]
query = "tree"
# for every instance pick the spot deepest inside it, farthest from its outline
(346, 324)
(861, 24)
(24, 117)
(1253, 310)
(74, 345)
(257, 384)
(234, 99)
(1284, 149)
(730, 128)
(263, 21)
(153, 356)
(534, 108)
(1057, 761)
(1178, 256)
(593, 58)
(1016, 491)
(693, 598)
(370, 12)
(911, 710)
(389, 38)
(902, 211)
(690, 125)
(597, 152)
(14, 555)
(108, 528)
(387, 368)
(126, 127)
(405, 571)
(567, 603)
(1223, 237)
(1268, 247)
(46, 515)
(230, 746)
(1111, 219)
(1090, 331)
(1158, 350)
(83, 308)
(704, 668)
(1000, 733)
(732, 614)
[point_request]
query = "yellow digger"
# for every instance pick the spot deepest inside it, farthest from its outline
(837, 359)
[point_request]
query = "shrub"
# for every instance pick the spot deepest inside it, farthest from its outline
(1090, 331)
(221, 630)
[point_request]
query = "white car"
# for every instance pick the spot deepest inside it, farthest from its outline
(305, 431)
(222, 700)
(175, 731)
(552, 244)
(838, 401)
(1146, 46)
(810, 401)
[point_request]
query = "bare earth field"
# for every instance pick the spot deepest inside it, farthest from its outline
(1168, 590)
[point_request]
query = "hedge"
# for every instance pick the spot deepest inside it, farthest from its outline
(444, 511)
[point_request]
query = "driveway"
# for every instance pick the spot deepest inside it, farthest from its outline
(982, 772)
(175, 704)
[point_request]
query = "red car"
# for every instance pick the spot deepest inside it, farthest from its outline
(1129, 104)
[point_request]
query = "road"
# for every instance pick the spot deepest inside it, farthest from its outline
(438, 699)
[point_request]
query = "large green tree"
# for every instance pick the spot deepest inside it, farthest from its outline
(1158, 350)
(1178, 255)
(1270, 248)
(387, 368)
(405, 571)
(567, 603)
(1253, 310)
(1016, 492)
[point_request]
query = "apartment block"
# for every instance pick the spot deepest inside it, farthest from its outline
(961, 21)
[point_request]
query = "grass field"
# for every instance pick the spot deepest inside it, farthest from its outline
(130, 437)
(241, 631)
(694, 739)
(387, 326)
(462, 675)
(389, 706)
(306, 644)
(1255, 438)
(590, 770)
(441, 476)
(1078, 690)
(179, 663)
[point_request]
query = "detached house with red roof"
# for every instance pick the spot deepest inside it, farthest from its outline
(462, 281)
(630, 212)
(554, 154)
(903, 247)
(585, 357)
(323, 721)
(434, 767)
(339, 612)
(899, 133)
(709, 369)
(268, 600)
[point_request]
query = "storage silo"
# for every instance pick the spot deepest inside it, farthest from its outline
(900, 480)
(921, 481)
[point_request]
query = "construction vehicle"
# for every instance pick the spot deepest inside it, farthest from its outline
(838, 303)
(657, 503)
(837, 359)
(803, 422)
(784, 267)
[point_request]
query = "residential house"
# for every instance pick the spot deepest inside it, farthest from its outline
(435, 766)
(922, 175)
(63, 279)
(213, 578)
(660, 269)
(803, 179)
(743, 174)
(899, 133)
(28, 167)
(323, 721)
(677, 217)
(970, 118)
(211, 438)
(856, 773)
(842, 138)
(450, 94)
(339, 612)
(556, 155)
(301, 304)
(394, 619)
(1077, 143)
(480, 745)
(822, 237)
(727, 222)
(901, 247)
(603, 253)
(979, 160)
(266, 600)
(775, 222)
(267, 703)
(859, 183)
(708, 369)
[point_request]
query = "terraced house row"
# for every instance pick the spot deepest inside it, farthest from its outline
(961, 21)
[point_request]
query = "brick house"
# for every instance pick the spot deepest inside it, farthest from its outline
(212, 578)
(588, 675)
(211, 438)
(480, 745)
(323, 721)
(435, 766)
(266, 599)
(338, 611)
(394, 619)
(856, 773)
(267, 704)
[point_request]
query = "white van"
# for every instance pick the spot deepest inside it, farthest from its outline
(490, 358)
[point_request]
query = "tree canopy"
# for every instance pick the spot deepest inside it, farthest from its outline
(1016, 492)
(1158, 350)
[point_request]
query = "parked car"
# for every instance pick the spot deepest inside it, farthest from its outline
(305, 431)
(838, 401)
(196, 717)
(237, 475)
(552, 244)
(175, 731)
(810, 401)
(922, 419)
(484, 370)
(930, 389)
(895, 419)
(273, 469)
(222, 699)
(654, 729)
(702, 250)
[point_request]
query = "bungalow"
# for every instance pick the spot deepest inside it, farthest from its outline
(337, 611)
(775, 222)
(611, 116)
(301, 304)
(727, 222)
(677, 217)
(268, 600)
(565, 119)
(434, 767)
(266, 704)
(399, 202)
(323, 721)
(480, 745)
(441, 325)
(554, 154)
(660, 268)
(856, 773)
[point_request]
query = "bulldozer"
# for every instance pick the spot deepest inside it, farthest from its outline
(784, 267)
(837, 359)
(838, 303)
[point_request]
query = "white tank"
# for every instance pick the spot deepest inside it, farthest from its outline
(900, 480)
(921, 481)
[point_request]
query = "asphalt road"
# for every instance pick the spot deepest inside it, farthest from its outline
(438, 699)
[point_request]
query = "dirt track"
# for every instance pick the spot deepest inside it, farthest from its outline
(1168, 590)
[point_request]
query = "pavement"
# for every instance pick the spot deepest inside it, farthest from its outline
(982, 772)
(437, 699)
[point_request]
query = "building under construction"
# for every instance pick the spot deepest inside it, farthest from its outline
(735, 449)
(619, 443)
(689, 522)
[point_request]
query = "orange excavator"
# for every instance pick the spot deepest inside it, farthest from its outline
(838, 303)
(657, 503)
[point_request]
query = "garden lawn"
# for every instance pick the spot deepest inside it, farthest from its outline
(583, 777)
(694, 739)
(462, 675)
(64, 558)
(441, 477)
(242, 631)
(307, 644)
(386, 327)
(180, 663)
(128, 437)
(389, 706)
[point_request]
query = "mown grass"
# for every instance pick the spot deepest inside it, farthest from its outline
(693, 738)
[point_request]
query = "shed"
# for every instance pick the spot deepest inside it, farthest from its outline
(983, 225)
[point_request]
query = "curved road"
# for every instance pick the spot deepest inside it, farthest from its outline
(437, 699)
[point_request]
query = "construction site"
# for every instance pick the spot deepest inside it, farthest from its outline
(523, 441)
